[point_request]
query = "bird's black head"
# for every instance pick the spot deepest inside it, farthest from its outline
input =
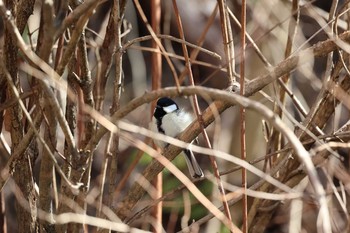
(164, 106)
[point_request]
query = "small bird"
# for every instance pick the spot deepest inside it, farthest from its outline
(168, 119)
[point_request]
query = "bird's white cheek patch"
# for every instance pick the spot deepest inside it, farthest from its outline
(169, 109)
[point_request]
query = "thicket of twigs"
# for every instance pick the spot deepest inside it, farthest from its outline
(79, 80)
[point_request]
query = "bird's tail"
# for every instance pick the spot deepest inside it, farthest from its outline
(192, 164)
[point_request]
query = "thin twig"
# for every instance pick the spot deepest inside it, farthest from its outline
(197, 62)
(227, 40)
(157, 84)
(197, 48)
(155, 38)
(243, 116)
(194, 53)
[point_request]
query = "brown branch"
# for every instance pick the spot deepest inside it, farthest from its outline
(318, 50)
(242, 114)
(9, 169)
(75, 37)
(25, 162)
(46, 166)
(267, 64)
(275, 141)
(44, 47)
(86, 87)
(112, 150)
(155, 38)
(33, 58)
(71, 118)
(46, 30)
(24, 11)
(156, 9)
(194, 53)
(106, 52)
(227, 40)
(75, 16)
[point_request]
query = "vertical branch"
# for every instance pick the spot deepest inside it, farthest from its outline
(46, 168)
(112, 43)
(26, 215)
(112, 148)
(156, 57)
(156, 39)
(10, 59)
(75, 36)
(119, 9)
(267, 64)
(26, 219)
(329, 64)
(25, 10)
(106, 51)
(3, 228)
(86, 87)
(105, 60)
(194, 53)
(86, 123)
(44, 47)
(227, 39)
(331, 16)
(157, 84)
(71, 114)
(274, 143)
(199, 116)
(85, 97)
(81, 86)
(242, 117)
(71, 117)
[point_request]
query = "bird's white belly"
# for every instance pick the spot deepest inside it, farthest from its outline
(172, 124)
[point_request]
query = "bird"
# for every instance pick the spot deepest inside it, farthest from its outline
(170, 120)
